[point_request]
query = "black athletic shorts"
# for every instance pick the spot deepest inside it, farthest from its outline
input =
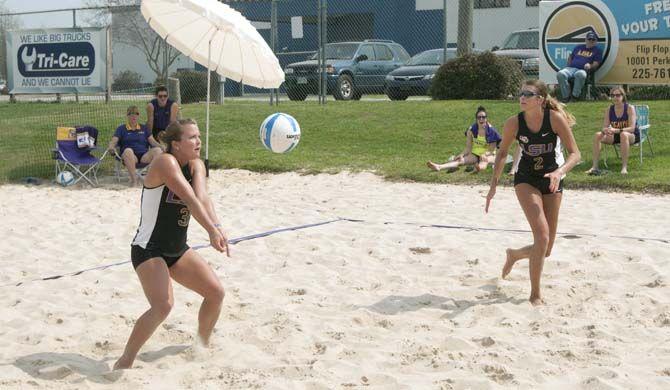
(139, 255)
(617, 138)
(541, 183)
(138, 155)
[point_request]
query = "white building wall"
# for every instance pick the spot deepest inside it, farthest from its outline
(490, 25)
(126, 57)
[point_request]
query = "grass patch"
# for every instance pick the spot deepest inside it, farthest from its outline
(393, 139)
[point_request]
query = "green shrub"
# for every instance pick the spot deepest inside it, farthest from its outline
(127, 80)
(193, 86)
(477, 76)
(649, 92)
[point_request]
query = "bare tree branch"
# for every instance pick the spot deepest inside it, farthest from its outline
(130, 28)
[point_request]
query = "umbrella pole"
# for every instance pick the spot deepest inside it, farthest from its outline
(209, 54)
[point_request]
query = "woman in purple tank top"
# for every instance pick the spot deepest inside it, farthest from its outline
(618, 128)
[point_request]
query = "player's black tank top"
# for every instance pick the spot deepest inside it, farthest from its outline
(540, 150)
(165, 218)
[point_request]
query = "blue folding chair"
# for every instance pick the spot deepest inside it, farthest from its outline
(643, 125)
(74, 156)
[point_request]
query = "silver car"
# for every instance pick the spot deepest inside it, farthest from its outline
(523, 46)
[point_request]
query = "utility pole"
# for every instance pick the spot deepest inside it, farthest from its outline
(446, 40)
(74, 25)
(108, 94)
(323, 80)
(465, 10)
(274, 93)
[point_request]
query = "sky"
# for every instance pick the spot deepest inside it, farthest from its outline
(55, 19)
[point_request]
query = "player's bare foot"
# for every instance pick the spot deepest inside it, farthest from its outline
(432, 166)
(536, 301)
(202, 342)
(509, 263)
(123, 363)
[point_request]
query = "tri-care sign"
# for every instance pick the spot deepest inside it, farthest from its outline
(57, 60)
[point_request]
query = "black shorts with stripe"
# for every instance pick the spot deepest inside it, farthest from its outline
(139, 255)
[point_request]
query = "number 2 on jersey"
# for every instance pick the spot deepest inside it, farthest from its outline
(539, 163)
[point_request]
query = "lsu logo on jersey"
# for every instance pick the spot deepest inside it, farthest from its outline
(538, 149)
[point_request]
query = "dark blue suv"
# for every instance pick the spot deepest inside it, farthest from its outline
(353, 68)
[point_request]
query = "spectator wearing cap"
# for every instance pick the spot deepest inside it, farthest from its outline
(584, 58)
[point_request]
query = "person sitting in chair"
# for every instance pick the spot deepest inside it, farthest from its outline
(584, 58)
(161, 111)
(618, 129)
(136, 143)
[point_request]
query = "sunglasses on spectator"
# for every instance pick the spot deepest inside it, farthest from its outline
(591, 39)
(528, 94)
(481, 116)
(162, 96)
(133, 113)
(616, 95)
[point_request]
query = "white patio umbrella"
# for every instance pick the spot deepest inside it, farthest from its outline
(218, 37)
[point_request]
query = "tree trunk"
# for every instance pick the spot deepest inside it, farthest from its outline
(464, 39)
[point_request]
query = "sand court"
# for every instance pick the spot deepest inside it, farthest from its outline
(371, 304)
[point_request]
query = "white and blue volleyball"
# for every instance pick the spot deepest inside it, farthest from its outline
(65, 178)
(280, 133)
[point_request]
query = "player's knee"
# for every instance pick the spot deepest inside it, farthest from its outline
(216, 294)
(542, 239)
(162, 309)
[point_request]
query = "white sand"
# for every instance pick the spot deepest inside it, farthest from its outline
(345, 305)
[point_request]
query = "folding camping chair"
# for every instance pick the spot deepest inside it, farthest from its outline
(73, 153)
(140, 167)
(643, 125)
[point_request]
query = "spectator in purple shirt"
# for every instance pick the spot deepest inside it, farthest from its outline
(135, 142)
(584, 58)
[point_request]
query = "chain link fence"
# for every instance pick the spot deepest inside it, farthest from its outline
(305, 34)
(329, 49)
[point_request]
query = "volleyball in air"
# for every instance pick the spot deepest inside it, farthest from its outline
(280, 133)
(65, 178)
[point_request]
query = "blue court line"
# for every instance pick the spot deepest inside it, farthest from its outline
(300, 227)
(461, 227)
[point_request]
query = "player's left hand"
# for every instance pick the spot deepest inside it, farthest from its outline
(554, 179)
(489, 198)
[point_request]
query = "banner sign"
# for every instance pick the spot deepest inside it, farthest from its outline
(57, 60)
(634, 37)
